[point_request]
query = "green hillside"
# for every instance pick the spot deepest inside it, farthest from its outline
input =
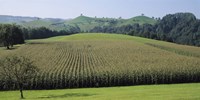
(101, 60)
(81, 19)
(87, 23)
(16, 19)
(36, 23)
(140, 20)
(53, 25)
(83, 22)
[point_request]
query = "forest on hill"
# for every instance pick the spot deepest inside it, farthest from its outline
(181, 28)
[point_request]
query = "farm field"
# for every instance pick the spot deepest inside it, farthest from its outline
(146, 92)
(102, 60)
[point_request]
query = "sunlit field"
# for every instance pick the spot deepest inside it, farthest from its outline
(103, 60)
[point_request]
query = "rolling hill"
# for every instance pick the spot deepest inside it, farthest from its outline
(88, 23)
(101, 60)
(85, 23)
(16, 19)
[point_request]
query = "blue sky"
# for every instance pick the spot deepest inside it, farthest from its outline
(100, 8)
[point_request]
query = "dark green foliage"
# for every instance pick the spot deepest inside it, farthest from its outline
(145, 30)
(182, 28)
(10, 34)
(43, 32)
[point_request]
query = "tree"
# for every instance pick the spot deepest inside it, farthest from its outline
(142, 14)
(5, 37)
(17, 70)
(10, 35)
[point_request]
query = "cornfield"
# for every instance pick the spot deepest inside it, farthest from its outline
(104, 62)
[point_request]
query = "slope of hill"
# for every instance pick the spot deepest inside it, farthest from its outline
(15, 19)
(100, 60)
(140, 20)
(36, 23)
(81, 19)
(33, 22)
(85, 23)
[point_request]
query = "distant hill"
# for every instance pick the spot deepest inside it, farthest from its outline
(85, 23)
(16, 19)
(182, 28)
(140, 20)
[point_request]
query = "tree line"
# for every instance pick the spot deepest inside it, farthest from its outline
(11, 34)
(181, 28)
(43, 32)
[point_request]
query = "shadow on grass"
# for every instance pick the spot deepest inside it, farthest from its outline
(66, 95)
(35, 43)
(12, 48)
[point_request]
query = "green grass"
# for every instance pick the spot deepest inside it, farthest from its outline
(148, 92)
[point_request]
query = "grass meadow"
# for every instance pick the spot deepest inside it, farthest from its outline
(145, 92)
